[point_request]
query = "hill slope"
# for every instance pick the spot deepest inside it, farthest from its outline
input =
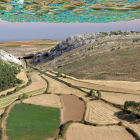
(9, 67)
(103, 55)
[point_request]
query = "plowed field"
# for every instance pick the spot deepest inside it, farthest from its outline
(73, 108)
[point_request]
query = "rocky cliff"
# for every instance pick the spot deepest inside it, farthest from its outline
(6, 57)
(79, 40)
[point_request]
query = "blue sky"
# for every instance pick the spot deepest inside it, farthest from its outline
(58, 31)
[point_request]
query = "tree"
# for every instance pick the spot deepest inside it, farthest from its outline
(92, 93)
(20, 97)
(59, 74)
(24, 96)
(99, 94)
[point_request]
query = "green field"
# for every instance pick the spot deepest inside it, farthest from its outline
(30, 122)
(12, 46)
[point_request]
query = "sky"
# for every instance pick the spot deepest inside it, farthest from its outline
(58, 31)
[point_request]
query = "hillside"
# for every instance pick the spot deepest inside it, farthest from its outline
(101, 55)
(9, 67)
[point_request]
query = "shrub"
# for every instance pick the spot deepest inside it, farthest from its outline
(81, 98)
(120, 123)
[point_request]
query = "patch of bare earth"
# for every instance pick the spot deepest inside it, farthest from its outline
(50, 100)
(22, 76)
(101, 113)
(73, 108)
(78, 131)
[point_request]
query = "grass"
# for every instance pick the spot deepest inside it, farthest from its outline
(30, 122)
(12, 46)
(9, 100)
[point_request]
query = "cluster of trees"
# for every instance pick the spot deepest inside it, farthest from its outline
(92, 94)
(132, 106)
(23, 96)
(8, 75)
(136, 40)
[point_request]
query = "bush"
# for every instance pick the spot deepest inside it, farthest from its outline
(120, 123)
(81, 98)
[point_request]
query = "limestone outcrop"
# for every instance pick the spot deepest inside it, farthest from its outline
(9, 58)
(79, 40)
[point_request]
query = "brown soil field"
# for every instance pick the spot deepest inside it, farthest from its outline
(58, 87)
(73, 108)
(22, 76)
(119, 98)
(1, 111)
(50, 100)
(101, 113)
(78, 131)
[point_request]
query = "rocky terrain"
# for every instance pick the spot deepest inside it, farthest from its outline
(6, 57)
(79, 40)
(102, 55)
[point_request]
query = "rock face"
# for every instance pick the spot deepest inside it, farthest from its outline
(9, 58)
(79, 40)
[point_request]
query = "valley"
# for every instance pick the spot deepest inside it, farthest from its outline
(62, 93)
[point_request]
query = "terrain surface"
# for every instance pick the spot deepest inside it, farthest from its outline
(57, 84)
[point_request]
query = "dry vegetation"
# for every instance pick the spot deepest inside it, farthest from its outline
(50, 100)
(114, 61)
(73, 108)
(81, 132)
(97, 86)
(119, 98)
(101, 113)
